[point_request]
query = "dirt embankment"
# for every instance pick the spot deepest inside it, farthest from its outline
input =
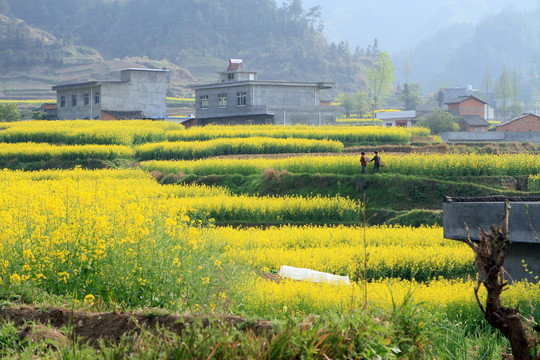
(111, 326)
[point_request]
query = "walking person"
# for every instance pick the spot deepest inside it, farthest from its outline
(376, 162)
(363, 162)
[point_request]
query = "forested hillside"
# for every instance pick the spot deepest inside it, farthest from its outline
(21, 45)
(280, 42)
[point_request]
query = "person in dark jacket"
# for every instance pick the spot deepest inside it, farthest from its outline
(376, 162)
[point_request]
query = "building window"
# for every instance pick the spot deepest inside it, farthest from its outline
(231, 76)
(73, 100)
(241, 98)
(62, 101)
(86, 98)
(222, 100)
(96, 97)
(204, 101)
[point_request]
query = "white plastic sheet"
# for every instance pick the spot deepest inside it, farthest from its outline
(312, 275)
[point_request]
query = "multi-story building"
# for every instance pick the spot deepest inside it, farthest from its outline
(239, 98)
(140, 93)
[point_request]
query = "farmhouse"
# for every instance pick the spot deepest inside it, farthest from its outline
(240, 98)
(467, 106)
(397, 118)
(522, 123)
(140, 93)
(50, 109)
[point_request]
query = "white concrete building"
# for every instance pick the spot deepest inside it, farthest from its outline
(397, 118)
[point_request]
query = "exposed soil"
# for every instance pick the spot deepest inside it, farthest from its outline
(110, 326)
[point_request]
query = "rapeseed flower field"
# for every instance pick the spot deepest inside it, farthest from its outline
(119, 236)
(118, 239)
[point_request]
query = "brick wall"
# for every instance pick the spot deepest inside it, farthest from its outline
(529, 122)
(471, 107)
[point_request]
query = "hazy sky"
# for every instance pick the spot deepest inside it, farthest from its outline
(401, 24)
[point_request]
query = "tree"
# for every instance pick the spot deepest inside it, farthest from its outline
(315, 19)
(9, 112)
(375, 48)
(440, 98)
(294, 9)
(361, 103)
(534, 101)
(487, 83)
(490, 253)
(347, 103)
(504, 93)
(354, 103)
(516, 107)
(439, 121)
(410, 95)
(407, 70)
(39, 115)
(380, 78)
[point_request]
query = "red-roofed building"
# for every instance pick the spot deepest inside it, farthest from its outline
(50, 109)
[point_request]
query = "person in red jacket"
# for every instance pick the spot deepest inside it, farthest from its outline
(363, 162)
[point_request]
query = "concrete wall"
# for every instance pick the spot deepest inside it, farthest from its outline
(284, 95)
(139, 90)
(285, 104)
(308, 115)
(238, 120)
(523, 225)
(232, 108)
(80, 111)
(491, 136)
(279, 115)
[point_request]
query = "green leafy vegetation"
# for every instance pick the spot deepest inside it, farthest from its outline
(9, 112)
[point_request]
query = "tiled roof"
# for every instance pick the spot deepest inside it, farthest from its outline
(461, 99)
(474, 120)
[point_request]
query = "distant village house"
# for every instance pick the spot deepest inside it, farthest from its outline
(240, 98)
(140, 94)
(397, 118)
(522, 123)
(50, 109)
(471, 112)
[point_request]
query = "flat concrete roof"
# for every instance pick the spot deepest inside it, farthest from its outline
(84, 84)
(101, 82)
(482, 212)
(142, 69)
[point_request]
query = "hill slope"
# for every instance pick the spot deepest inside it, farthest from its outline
(279, 42)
